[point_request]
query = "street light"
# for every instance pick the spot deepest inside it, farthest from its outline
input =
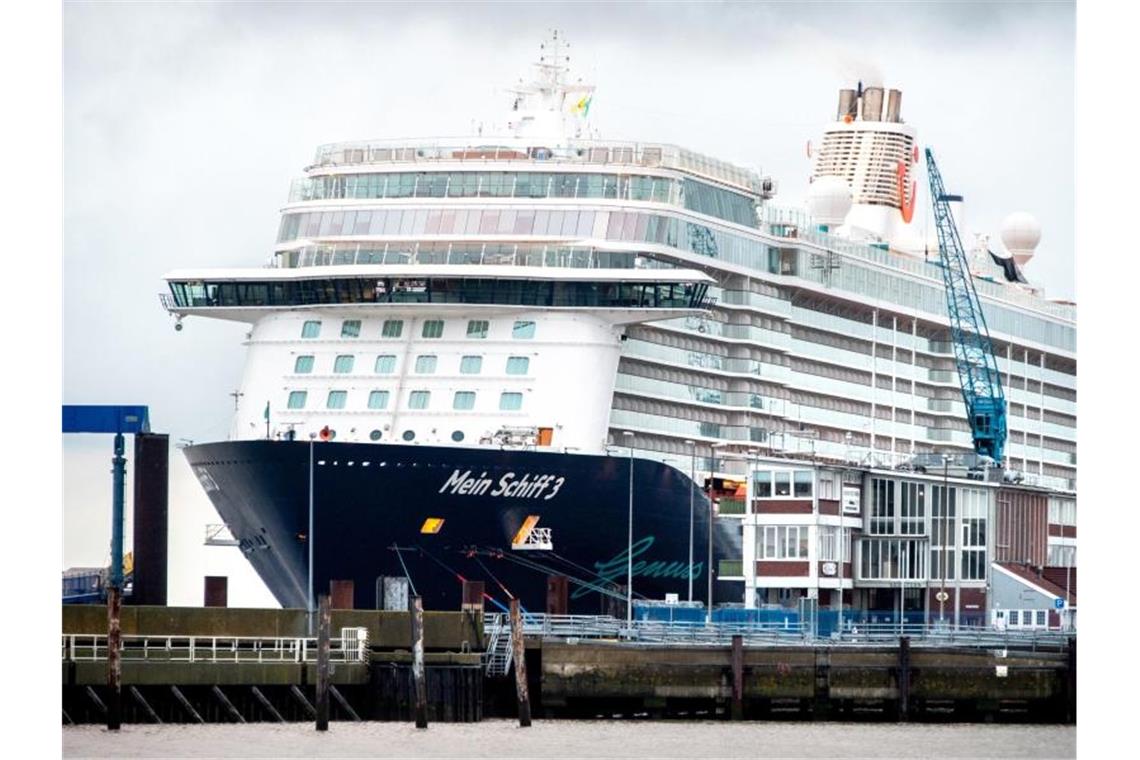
(628, 435)
(692, 497)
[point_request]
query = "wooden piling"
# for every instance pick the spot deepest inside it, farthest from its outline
(519, 646)
(737, 677)
(416, 608)
(114, 661)
(904, 678)
(227, 704)
(267, 704)
(186, 704)
(324, 618)
(145, 705)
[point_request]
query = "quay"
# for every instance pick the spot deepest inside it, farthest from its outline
(245, 665)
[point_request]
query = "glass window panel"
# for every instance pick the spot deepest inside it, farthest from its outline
(363, 222)
(762, 484)
(523, 330)
(350, 328)
(464, 400)
(385, 364)
(378, 400)
(303, 365)
(425, 364)
(783, 483)
(343, 364)
(419, 399)
(470, 365)
(507, 221)
(392, 220)
(297, 399)
(510, 401)
(518, 365)
(803, 480)
(478, 328)
(311, 329)
(524, 222)
(336, 399)
(392, 328)
(433, 328)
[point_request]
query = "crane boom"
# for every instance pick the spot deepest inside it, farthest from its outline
(978, 373)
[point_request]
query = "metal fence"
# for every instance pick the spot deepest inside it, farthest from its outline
(347, 648)
(787, 633)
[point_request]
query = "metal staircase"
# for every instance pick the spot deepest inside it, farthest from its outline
(500, 649)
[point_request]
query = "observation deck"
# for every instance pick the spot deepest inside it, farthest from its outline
(492, 150)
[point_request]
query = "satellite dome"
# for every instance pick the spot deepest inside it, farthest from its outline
(829, 200)
(1020, 233)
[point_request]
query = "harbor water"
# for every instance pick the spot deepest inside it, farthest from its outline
(582, 739)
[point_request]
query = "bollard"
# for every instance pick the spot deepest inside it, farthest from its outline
(737, 677)
(520, 664)
(324, 618)
(114, 660)
(416, 608)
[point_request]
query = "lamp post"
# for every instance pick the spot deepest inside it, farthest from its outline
(692, 498)
(628, 435)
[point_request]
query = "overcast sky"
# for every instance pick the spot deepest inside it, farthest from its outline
(185, 123)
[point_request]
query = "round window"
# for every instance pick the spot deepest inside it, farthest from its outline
(409, 435)
(375, 435)
(457, 436)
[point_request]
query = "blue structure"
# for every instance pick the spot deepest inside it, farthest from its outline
(117, 420)
(978, 373)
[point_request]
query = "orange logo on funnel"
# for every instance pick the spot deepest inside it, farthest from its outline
(905, 206)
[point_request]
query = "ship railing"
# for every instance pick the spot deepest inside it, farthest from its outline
(484, 150)
(347, 648)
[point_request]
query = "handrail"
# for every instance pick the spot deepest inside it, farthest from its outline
(82, 647)
(685, 633)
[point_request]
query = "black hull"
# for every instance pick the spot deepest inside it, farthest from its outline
(368, 498)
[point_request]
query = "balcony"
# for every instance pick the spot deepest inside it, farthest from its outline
(731, 506)
(730, 568)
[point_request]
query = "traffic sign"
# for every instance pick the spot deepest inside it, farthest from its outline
(1059, 603)
(942, 596)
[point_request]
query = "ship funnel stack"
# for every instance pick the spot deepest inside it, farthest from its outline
(873, 104)
(873, 152)
(894, 103)
(848, 106)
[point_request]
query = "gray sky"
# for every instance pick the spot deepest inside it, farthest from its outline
(184, 124)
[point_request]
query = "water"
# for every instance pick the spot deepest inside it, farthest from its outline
(587, 739)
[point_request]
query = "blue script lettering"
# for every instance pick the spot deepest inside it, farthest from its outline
(615, 569)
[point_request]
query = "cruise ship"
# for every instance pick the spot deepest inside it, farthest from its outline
(541, 354)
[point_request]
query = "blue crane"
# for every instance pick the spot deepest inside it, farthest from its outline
(978, 373)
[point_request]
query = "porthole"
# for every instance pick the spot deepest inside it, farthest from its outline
(457, 436)
(409, 435)
(375, 435)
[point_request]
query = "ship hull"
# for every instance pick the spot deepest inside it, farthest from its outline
(368, 504)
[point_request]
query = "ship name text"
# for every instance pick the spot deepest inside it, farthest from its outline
(509, 486)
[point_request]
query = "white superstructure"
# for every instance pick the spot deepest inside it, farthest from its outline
(590, 259)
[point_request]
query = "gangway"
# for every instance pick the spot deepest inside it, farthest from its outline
(500, 649)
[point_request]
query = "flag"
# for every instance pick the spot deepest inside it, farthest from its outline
(266, 410)
(583, 105)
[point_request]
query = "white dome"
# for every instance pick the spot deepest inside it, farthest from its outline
(829, 200)
(1020, 233)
